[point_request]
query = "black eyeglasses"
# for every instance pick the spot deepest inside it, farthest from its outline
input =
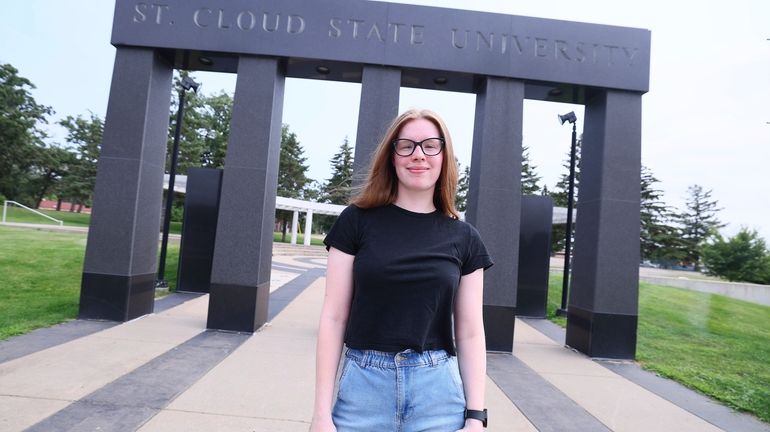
(429, 146)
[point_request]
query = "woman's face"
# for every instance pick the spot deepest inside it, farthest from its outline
(418, 172)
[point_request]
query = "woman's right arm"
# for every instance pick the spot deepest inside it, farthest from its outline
(331, 332)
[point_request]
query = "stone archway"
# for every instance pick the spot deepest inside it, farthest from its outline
(503, 59)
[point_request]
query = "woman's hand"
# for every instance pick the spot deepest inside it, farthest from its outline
(472, 425)
(322, 425)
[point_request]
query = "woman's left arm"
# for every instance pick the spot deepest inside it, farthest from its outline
(471, 343)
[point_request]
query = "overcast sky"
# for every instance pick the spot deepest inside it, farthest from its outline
(706, 119)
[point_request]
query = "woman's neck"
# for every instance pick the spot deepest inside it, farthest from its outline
(421, 202)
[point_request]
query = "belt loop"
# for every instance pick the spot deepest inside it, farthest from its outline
(431, 360)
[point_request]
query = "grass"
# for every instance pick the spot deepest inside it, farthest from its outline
(19, 215)
(31, 298)
(716, 345)
(314, 241)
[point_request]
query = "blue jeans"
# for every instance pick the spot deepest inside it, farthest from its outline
(400, 392)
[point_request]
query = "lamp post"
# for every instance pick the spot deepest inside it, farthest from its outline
(187, 84)
(571, 118)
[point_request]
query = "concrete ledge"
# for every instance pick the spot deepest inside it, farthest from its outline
(753, 293)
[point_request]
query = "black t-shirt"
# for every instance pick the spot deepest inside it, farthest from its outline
(406, 272)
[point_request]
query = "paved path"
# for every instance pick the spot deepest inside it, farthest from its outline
(166, 372)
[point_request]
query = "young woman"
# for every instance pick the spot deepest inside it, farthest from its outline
(404, 285)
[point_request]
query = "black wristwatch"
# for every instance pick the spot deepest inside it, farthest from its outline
(478, 415)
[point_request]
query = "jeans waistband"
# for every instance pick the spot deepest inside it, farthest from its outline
(407, 358)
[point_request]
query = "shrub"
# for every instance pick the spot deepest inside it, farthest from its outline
(743, 257)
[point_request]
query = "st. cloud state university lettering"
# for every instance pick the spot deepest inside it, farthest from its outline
(496, 43)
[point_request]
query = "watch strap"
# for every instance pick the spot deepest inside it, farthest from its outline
(477, 415)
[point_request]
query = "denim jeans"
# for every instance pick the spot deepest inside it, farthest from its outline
(401, 392)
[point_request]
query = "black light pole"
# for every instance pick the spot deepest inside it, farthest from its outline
(572, 118)
(187, 84)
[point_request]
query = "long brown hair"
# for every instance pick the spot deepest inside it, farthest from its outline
(381, 185)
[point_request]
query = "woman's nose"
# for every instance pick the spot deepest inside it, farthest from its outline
(419, 155)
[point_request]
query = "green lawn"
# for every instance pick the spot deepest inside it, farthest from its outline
(314, 241)
(19, 215)
(40, 282)
(714, 344)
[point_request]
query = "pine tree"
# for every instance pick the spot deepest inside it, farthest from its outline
(292, 168)
(560, 190)
(292, 180)
(659, 240)
(698, 222)
(463, 183)
(337, 189)
(529, 178)
(559, 195)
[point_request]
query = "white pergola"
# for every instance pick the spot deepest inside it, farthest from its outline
(310, 208)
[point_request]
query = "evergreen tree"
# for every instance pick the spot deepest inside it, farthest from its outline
(463, 183)
(559, 196)
(21, 139)
(743, 257)
(291, 169)
(659, 240)
(292, 180)
(337, 189)
(698, 222)
(560, 190)
(529, 178)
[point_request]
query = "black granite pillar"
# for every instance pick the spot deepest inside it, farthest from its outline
(380, 88)
(199, 229)
(494, 200)
(603, 301)
(534, 255)
(240, 274)
(121, 255)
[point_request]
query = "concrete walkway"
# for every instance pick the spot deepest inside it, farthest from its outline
(166, 372)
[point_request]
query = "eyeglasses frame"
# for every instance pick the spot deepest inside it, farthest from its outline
(418, 144)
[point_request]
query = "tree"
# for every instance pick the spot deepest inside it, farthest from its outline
(659, 240)
(216, 114)
(192, 145)
(743, 257)
(559, 195)
(85, 135)
(338, 188)
(55, 164)
(292, 168)
(21, 139)
(698, 221)
(463, 184)
(529, 178)
(560, 190)
(292, 180)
